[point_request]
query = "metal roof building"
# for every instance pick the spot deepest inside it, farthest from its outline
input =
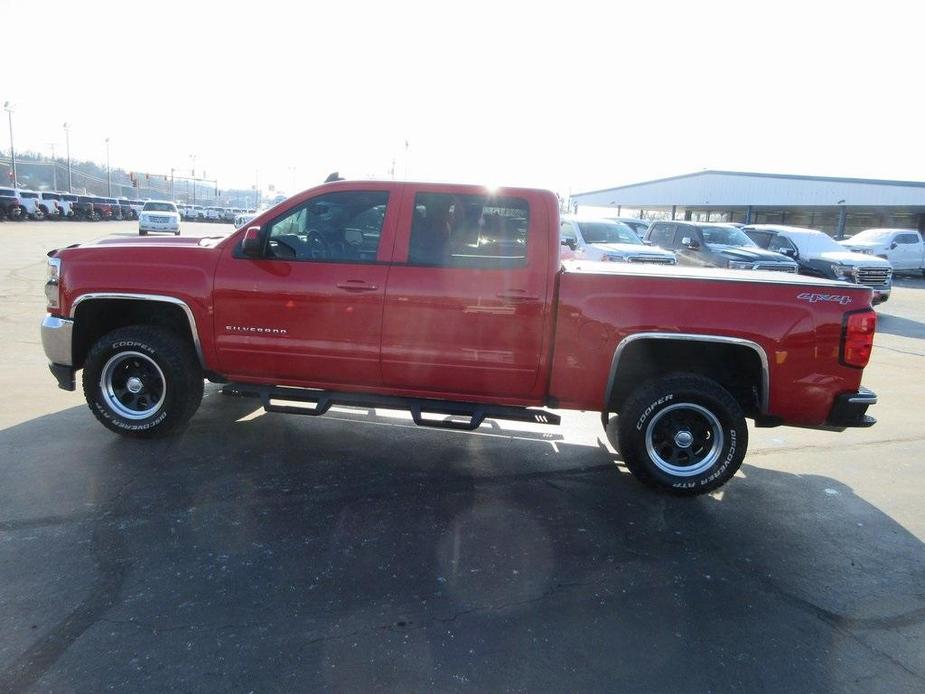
(835, 205)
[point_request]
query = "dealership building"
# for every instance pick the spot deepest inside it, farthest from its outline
(838, 206)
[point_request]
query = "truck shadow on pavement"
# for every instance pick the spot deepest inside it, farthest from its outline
(903, 327)
(290, 553)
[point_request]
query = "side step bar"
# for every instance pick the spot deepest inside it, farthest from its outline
(323, 400)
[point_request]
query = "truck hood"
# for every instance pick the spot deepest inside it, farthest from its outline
(853, 259)
(633, 249)
(153, 241)
(870, 246)
(749, 254)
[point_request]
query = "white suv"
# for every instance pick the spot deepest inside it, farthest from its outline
(30, 201)
(159, 215)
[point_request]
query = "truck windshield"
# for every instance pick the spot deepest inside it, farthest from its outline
(159, 207)
(608, 232)
(725, 236)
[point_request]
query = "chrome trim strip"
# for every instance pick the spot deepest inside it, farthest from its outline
(147, 297)
(57, 334)
(692, 337)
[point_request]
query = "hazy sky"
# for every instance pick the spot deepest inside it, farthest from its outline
(568, 95)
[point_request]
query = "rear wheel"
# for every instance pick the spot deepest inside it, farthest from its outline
(682, 433)
(142, 381)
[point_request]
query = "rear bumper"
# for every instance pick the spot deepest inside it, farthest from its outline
(850, 410)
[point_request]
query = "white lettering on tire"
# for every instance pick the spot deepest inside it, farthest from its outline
(651, 408)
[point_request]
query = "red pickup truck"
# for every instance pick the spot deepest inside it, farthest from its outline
(452, 302)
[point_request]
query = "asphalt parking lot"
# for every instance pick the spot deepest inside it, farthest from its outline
(356, 552)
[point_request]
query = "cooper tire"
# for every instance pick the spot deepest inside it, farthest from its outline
(682, 433)
(142, 381)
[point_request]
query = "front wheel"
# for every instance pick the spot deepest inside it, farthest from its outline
(142, 381)
(684, 434)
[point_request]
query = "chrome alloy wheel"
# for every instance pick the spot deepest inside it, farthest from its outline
(133, 385)
(684, 439)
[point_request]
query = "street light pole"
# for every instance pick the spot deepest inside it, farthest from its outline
(67, 139)
(108, 171)
(8, 107)
(193, 171)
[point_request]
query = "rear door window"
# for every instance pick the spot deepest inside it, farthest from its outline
(474, 231)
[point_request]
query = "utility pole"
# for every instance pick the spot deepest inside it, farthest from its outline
(67, 139)
(8, 107)
(108, 171)
(257, 191)
(173, 195)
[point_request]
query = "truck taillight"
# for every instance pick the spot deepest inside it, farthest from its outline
(857, 337)
(53, 284)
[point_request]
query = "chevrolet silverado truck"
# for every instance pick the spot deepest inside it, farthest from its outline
(452, 302)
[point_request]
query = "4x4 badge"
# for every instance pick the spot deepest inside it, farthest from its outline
(814, 298)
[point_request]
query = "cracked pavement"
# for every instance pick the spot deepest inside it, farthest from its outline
(356, 552)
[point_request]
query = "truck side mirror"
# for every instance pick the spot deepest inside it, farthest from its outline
(789, 252)
(688, 242)
(250, 246)
(893, 246)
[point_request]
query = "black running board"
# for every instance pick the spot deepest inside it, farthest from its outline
(321, 401)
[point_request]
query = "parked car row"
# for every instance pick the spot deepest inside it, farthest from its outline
(867, 259)
(200, 213)
(18, 204)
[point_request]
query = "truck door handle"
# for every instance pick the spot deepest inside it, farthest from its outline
(517, 295)
(357, 286)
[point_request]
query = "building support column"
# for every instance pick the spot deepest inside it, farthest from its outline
(674, 208)
(842, 218)
(748, 214)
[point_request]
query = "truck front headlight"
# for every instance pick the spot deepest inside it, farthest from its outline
(740, 265)
(843, 272)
